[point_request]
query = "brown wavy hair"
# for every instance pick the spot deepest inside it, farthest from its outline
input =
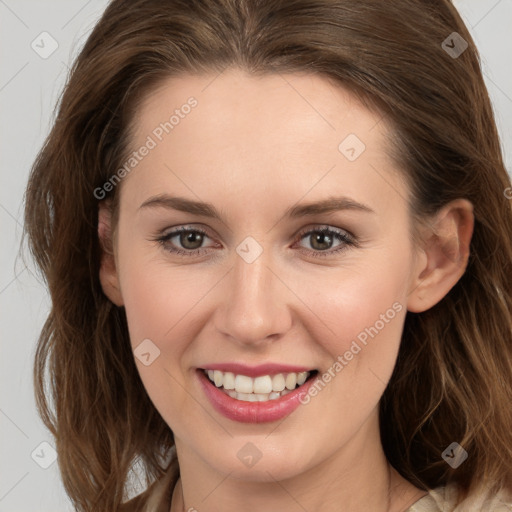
(453, 376)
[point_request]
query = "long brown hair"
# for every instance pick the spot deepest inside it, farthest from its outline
(453, 377)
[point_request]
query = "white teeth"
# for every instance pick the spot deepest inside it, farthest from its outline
(218, 378)
(291, 381)
(301, 378)
(262, 384)
(255, 397)
(229, 380)
(243, 384)
(278, 382)
(259, 389)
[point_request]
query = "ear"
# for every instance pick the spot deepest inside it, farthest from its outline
(443, 257)
(108, 271)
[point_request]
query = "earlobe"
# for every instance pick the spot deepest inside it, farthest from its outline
(109, 278)
(444, 256)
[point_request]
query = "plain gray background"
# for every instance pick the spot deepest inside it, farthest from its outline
(29, 88)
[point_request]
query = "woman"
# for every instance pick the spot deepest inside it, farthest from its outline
(277, 241)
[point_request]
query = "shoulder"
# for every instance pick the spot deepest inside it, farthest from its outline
(443, 499)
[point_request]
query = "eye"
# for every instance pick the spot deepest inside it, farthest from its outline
(321, 239)
(189, 238)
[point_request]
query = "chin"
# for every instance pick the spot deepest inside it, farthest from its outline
(256, 461)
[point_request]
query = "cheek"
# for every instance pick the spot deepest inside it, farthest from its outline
(159, 304)
(359, 315)
(352, 304)
(159, 299)
(360, 349)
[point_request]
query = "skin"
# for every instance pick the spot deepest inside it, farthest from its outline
(253, 147)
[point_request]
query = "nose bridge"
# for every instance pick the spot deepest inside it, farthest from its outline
(254, 307)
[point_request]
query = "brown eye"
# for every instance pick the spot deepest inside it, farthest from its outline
(321, 241)
(188, 241)
(191, 239)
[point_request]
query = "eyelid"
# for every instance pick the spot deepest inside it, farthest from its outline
(326, 227)
(184, 227)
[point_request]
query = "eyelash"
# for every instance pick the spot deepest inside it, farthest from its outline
(347, 239)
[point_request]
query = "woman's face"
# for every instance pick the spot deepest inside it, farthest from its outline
(263, 284)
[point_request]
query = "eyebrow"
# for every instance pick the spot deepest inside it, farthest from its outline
(203, 209)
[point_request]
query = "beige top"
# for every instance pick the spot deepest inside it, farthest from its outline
(438, 500)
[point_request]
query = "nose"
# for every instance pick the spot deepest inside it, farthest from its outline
(255, 310)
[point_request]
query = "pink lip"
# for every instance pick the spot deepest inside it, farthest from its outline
(256, 371)
(253, 412)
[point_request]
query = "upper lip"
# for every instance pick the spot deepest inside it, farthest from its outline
(256, 371)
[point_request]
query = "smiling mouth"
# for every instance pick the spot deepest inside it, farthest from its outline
(258, 389)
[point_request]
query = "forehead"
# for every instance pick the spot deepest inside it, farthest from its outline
(259, 104)
(287, 132)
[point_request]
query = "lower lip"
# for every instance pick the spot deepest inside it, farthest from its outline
(253, 412)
